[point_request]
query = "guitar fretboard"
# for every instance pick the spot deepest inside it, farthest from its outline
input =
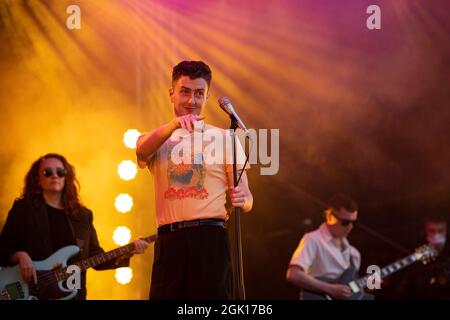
(389, 269)
(62, 274)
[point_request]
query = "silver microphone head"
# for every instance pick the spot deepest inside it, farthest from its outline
(226, 106)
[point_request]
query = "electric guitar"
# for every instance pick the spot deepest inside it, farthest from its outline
(52, 273)
(424, 253)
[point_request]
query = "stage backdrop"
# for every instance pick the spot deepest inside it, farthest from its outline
(360, 111)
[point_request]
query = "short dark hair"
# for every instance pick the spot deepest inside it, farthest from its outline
(192, 69)
(342, 201)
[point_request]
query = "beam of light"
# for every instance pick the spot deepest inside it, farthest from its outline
(124, 275)
(127, 170)
(130, 137)
(123, 203)
(121, 235)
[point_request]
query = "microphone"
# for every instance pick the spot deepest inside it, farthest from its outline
(226, 106)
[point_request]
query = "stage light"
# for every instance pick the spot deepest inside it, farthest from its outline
(127, 170)
(123, 203)
(130, 137)
(124, 275)
(122, 235)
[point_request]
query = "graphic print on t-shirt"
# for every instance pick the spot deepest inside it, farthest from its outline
(186, 180)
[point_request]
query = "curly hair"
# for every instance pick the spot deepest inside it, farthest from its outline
(192, 69)
(32, 191)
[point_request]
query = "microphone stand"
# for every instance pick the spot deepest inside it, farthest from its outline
(239, 268)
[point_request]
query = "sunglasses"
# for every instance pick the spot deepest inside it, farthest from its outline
(345, 222)
(60, 172)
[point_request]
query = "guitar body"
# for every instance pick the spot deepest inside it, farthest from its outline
(347, 277)
(47, 287)
(424, 253)
(53, 272)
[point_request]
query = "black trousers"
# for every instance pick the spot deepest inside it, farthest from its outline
(192, 264)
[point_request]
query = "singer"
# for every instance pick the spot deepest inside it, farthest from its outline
(192, 257)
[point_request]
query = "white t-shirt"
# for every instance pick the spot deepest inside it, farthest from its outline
(190, 177)
(319, 256)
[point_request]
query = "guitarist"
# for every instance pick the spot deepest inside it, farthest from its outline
(326, 252)
(49, 216)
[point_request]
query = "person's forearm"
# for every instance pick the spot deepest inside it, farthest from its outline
(154, 139)
(302, 280)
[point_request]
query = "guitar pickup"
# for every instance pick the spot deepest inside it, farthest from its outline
(15, 291)
(355, 288)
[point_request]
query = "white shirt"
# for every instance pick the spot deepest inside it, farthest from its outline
(319, 256)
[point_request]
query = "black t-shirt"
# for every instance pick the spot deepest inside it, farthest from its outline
(61, 234)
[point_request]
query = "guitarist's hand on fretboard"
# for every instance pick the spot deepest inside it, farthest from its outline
(140, 246)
